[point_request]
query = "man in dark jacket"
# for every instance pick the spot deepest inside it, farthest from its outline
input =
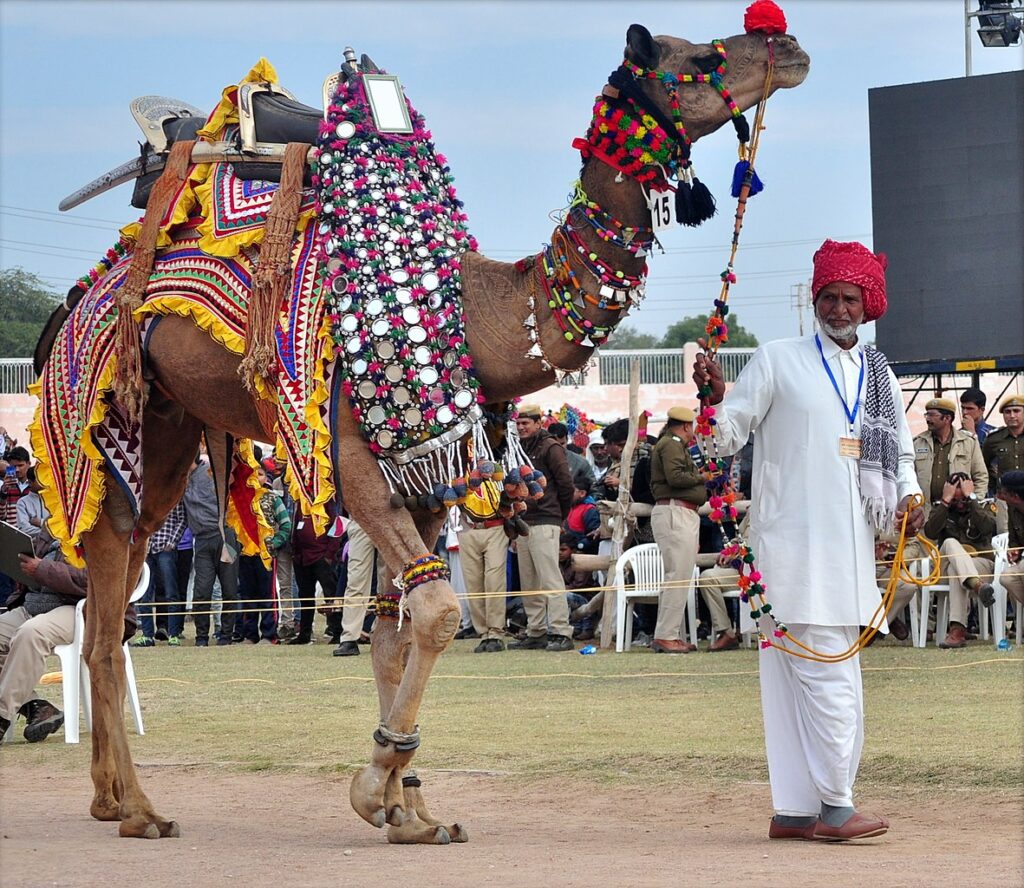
(547, 609)
(38, 621)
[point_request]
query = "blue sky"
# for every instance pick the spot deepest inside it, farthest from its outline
(504, 87)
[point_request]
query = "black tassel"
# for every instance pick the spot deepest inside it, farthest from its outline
(684, 204)
(702, 204)
(742, 128)
(740, 173)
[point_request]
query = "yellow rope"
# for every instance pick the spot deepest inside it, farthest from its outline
(900, 572)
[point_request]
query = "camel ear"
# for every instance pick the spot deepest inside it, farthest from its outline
(641, 48)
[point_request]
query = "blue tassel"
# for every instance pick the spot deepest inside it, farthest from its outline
(740, 173)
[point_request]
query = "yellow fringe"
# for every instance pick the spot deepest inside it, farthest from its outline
(322, 439)
(199, 314)
(57, 523)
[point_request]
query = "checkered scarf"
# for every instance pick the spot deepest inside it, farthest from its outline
(879, 445)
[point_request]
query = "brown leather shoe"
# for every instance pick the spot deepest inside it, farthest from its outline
(858, 826)
(899, 629)
(779, 831)
(672, 646)
(725, 642)
(955, 638)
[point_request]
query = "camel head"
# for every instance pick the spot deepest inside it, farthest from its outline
(703, 109)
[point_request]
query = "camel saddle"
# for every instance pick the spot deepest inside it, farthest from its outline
(268, 115)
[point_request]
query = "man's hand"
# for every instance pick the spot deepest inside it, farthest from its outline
(29, 564)
(967, 424)
(1013, 555)
(707, 372)
(916, 520)
(611, 481)
(948, 493)
(967, 486)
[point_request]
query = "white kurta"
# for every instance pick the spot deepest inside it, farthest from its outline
(813, 543)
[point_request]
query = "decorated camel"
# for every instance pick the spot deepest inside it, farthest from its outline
(520, 326)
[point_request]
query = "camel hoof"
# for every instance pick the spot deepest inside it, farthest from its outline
(396, 816)
(458, 833)
(133, 830)
(366, 793)
(170, 830)
(415, 832)
(102, 811)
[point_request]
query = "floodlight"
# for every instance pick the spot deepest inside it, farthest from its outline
(1001, 27)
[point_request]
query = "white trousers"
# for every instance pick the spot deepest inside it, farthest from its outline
(813, 722)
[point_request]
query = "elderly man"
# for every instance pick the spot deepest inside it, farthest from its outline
(833, 463)
(547, 608)
(943, 451)
(678, 489)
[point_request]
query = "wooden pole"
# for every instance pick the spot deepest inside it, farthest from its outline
(622, 508)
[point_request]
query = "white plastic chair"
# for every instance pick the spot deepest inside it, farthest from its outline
(648, 576)
(75, 672)
(1000, 543)
(747, 627)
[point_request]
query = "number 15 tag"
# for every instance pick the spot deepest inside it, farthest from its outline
(662, 205)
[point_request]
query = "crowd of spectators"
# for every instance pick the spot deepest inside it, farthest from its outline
(520, 587)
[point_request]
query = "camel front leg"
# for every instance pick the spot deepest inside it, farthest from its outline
(118, 794)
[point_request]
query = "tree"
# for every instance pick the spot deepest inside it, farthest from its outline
(27, 304)
(626, 337)
(692, 329)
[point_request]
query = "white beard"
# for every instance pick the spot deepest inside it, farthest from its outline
(840, 334)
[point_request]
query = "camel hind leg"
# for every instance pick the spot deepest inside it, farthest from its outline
(114, 564)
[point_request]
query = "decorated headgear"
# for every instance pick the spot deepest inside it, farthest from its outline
(943, 404)
(856, 264)
(529, 411)
(1011, 401)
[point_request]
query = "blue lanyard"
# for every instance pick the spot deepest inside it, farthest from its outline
(851, 415)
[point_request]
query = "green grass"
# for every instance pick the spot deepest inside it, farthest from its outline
(609, 717)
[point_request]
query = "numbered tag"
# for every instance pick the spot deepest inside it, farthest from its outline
(662, 205)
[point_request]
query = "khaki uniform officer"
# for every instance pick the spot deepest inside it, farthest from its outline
(678, 489)
(963, 525)
(361, 560)
(1011, 490)
(1004, 448)
(944, 450)
(484, 549)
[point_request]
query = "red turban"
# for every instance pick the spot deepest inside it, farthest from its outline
(855, 264)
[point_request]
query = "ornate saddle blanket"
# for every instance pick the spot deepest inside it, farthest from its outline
(373, 313)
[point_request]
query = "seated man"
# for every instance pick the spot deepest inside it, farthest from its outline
(38, 621)
(579, 587)
(962, 526)
(583, 523)
(885, 551)
(1011, 490)
(943, 450)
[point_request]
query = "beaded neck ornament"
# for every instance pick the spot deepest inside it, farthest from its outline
(568, 290)
(390, 235)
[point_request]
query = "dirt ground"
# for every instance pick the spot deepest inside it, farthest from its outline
(260, 829)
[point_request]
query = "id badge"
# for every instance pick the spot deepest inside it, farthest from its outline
(849, 448)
